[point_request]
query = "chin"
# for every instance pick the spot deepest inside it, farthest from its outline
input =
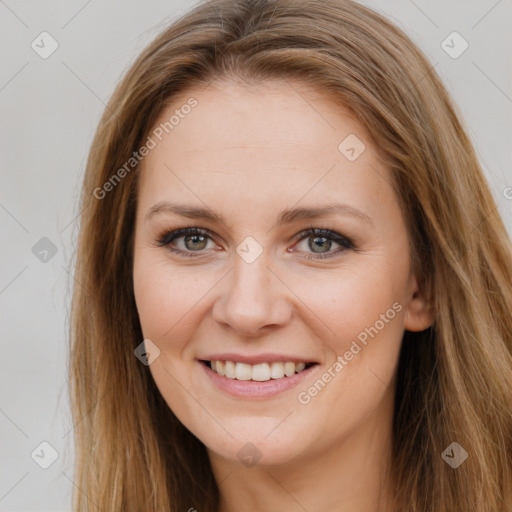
(259, 450)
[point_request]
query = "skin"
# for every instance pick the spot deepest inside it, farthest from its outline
(248, 152)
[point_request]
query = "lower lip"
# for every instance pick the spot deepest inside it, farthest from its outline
(255, 389)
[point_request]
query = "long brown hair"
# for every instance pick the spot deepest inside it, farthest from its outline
(454, 379)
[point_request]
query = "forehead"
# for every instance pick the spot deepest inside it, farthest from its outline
(232, 115)
(262, 139)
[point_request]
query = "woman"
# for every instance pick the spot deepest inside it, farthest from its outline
(294, 284)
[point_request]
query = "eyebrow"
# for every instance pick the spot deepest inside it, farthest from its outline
(286, 217)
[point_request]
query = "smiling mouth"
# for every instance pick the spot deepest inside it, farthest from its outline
(257, 372)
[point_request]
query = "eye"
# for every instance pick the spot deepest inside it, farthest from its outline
(316, 243)
(320, 242)
(186, 241)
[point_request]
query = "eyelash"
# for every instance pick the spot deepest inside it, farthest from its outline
(167, 237)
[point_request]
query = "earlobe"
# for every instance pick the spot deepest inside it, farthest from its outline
(418, 312)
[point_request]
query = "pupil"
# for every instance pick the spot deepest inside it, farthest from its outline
(196, 239)
(322, 241)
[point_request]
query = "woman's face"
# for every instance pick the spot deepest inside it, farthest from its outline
(255, 169)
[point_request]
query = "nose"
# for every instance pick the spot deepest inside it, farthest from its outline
(253, 299)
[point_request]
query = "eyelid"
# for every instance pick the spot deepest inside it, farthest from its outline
(345, 243)
(170, 235)
(167, 236)
(327, 232)
(176, 233)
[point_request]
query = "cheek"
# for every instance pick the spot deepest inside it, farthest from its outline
(362, 307)
(168, 301)
(347, 301)
(166, 297)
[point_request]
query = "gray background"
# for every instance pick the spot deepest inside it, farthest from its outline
(50, 108)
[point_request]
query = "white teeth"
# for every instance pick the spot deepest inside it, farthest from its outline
(261, 372)
(289, 369)
(277, 370)
(230, 369)
(258, 372)
(243, 371)
(298, 366)
(221, 367)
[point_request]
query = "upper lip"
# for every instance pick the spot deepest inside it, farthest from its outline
(256, 358)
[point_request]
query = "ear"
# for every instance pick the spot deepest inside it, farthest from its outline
(418, 313)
